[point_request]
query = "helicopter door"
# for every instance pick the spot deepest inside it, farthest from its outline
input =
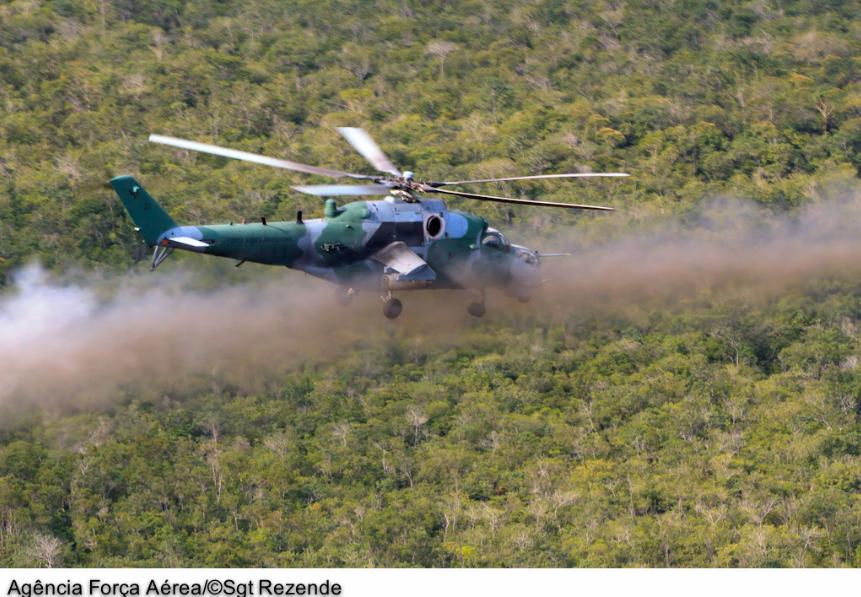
(410, 233)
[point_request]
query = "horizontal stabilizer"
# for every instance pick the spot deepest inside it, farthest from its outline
(185, 242)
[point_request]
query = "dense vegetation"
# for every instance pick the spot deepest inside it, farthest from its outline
(718, 431)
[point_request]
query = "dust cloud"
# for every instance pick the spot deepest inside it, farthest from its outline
(728, 245)
(90, 342)
(85, 343)
(85, 340)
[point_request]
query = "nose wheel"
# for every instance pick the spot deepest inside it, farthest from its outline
(476, 309)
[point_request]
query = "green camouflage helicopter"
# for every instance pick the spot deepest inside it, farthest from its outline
(402, 242)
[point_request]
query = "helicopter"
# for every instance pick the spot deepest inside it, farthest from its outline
(404, 241)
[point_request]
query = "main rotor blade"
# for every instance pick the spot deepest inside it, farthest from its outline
(516, 201)
(253, 157)
(362, 142)
(536, 177)
(333, 190)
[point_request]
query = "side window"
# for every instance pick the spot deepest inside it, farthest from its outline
(494, 239)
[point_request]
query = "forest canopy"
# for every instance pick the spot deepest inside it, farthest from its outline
(717, 430)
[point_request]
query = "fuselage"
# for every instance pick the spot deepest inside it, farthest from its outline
(344, 246)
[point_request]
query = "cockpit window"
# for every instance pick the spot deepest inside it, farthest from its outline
(494, 238)
(528, 257)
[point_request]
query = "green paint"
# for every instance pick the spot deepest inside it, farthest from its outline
(448, 256)
(275, 243)
(342, 250)
(341, 242)
(145, 211)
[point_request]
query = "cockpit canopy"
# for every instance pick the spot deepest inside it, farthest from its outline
(494, 239)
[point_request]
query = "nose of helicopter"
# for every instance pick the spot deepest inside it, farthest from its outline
(525, 268)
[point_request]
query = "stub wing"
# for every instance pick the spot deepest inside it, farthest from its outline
(401, 260)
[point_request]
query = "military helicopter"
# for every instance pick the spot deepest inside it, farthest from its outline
(405, 241)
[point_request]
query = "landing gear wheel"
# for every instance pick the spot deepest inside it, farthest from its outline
(392, 308)
(344, 296)
(476, 309)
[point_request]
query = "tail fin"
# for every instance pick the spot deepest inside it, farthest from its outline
(146, 213)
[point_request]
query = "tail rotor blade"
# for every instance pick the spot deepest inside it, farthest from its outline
(362, 142)
(253, 157)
